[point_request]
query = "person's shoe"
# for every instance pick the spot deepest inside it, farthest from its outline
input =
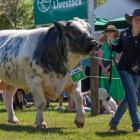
(87, 109)
(136, 130)
(112, 127)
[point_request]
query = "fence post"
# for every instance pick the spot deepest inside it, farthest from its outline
(94, 83)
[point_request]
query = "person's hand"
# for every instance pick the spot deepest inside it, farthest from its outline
(102, 39)
(99, 53)
(109, 67)
(106, 71)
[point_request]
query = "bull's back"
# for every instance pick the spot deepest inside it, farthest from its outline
(16, 48)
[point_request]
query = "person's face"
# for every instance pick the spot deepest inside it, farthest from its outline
(136, 22)
(111, 34)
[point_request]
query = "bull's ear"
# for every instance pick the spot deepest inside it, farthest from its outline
(60, 25)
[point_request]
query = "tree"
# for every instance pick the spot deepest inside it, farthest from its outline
(25, 14)
(17, 13)
(10, 9)
(99, 2)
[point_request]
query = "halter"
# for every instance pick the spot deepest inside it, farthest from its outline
(77, 41)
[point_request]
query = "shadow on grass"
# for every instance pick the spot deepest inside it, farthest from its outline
(2, 110)
(110, 133)
(30, 129)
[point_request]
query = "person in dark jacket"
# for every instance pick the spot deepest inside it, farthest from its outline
(129, 70)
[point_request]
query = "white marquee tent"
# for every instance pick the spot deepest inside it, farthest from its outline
(116, 8)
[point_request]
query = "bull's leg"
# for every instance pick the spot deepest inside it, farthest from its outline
(39, 99)
(8, 100)
(78, 100)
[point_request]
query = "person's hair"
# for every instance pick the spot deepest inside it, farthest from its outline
(111, 28)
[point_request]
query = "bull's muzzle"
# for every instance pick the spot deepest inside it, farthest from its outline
(95, 44)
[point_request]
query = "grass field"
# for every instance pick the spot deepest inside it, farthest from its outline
(61, 127)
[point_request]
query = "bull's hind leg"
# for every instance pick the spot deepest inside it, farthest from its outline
(39, 99)
(8, 100)
(78, 100)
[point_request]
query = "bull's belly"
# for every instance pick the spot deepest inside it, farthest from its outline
(53, 87)
(13, 79)
(15, 83)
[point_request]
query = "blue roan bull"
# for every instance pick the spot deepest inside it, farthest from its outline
(39, 59)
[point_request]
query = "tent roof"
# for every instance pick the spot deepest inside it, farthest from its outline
(101, 24)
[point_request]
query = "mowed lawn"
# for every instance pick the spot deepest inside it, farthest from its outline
(61, 127)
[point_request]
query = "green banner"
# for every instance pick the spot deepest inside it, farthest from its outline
(48, 11)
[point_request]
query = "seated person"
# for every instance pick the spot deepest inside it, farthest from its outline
(108, 104)
(60, 107)
(19, 99)
(60, 103)
(86, 101)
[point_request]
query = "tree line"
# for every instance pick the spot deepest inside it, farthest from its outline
(18, 14)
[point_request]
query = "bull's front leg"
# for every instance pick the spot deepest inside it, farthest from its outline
(8, 100)
(35, 84)
(78, 100)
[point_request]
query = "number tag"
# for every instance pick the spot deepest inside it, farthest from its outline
(77, 74)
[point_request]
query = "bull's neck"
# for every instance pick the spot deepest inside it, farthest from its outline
(51, 52)
(74, 59)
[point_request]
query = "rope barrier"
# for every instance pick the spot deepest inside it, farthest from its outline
(113, 78)
(103, 59)
(98, 58)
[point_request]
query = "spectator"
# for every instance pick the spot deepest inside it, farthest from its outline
(60, 107)
(108, 105)
(60, 103)
(113, 86)
(19, 99)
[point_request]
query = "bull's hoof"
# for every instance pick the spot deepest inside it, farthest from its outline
(42, 126)
(78, 124)
(13, 122)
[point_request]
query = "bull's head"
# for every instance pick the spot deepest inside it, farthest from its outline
(78, 35)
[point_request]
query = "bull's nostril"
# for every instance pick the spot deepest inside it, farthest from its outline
(94, 42)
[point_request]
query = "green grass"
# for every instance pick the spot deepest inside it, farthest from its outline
(61, 127)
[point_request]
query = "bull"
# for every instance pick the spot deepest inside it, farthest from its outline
(41, 59)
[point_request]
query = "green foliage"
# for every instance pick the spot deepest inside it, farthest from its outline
(4, 22)
(10, 10)
(99, 2)
(25, 14)
(16, 13)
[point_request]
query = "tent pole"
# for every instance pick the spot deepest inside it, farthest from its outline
(94, 70)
